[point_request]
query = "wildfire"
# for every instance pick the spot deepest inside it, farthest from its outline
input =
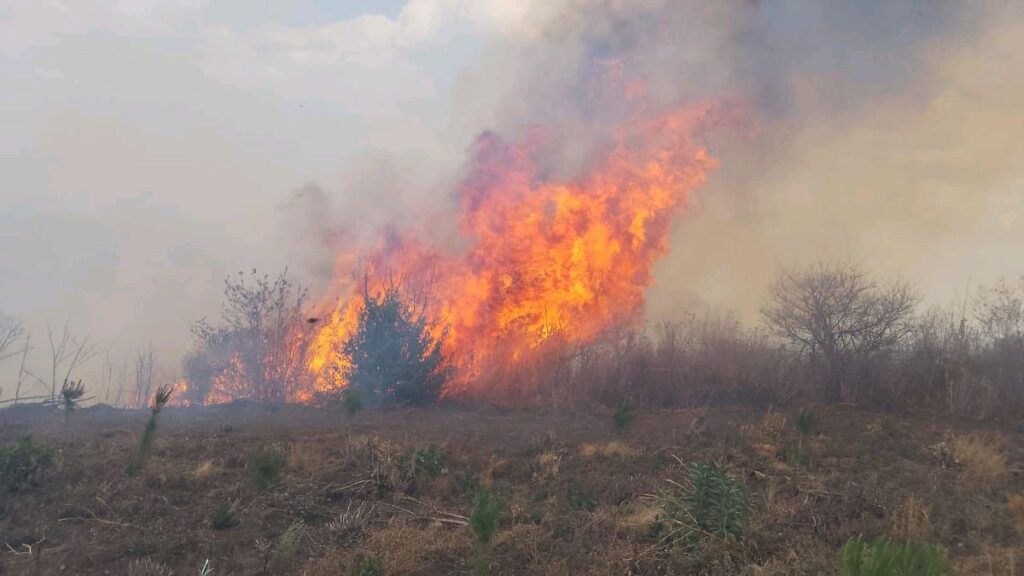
(544, 258)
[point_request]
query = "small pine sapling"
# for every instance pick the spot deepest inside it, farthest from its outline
(160, 399)
(70, 393)
(622, 418)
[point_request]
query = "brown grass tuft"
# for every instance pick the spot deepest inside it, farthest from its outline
(981, 458)
(148, 567)
(608, 450)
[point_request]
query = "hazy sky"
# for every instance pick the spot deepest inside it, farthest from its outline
(150, 147)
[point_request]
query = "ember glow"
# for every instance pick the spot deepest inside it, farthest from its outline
(542, 257)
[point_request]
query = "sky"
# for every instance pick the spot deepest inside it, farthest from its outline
(151, 147)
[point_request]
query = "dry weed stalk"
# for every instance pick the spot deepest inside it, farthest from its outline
(912, 520)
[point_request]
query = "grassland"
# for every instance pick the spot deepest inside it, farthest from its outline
(298, 490)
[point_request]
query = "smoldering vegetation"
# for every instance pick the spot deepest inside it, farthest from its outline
(829, 333)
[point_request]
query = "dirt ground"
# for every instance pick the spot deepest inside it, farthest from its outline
(353, 493)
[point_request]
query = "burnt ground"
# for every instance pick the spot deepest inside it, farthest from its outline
(581, 496)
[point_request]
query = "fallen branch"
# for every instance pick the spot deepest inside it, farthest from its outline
(28, 547)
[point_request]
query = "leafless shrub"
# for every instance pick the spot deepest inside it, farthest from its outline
(145, 375)
(999, 312)
(842, 318)
(67, 352)
(257, 352)
(10, 332)
(969, 395)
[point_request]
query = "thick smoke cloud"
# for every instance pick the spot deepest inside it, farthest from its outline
(884, 132)
(878, 132)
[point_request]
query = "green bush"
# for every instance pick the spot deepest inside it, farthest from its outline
(352, 399)
(265, 465)
(622, 418)
(290, 543)
(712, 502)
(807, 422)
(394, 357)
(580, 497)
(488, 509)
(23, 463)
(222, 518)
(369, 566)
(70, 394)
(429, 460)
(883, 557)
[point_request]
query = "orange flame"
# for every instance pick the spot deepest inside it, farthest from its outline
(571, 258)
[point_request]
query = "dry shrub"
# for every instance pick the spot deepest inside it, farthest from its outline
(383, 459)
(969, 395)
(912, 520)
(548, 463)
(981, 458)
(640, 517)
(763, 438)
(772, 425)
(777, 508)
(312, 460)
(203, 470)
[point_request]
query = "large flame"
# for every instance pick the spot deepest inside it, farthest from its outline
(544, 258)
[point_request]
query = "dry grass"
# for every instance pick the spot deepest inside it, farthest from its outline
(981, 459)
(147, 567)
(548, 463)
(1016, 505)
(204, 470)
(607, 450)
(765, 437)
(345, 495)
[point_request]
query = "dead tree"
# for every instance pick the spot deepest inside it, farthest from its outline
(839, 315)
(11, 332)
(66, 353)
(22, 371)
(145, 374)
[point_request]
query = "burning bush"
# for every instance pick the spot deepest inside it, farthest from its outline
(392, 357)
(258, 350)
